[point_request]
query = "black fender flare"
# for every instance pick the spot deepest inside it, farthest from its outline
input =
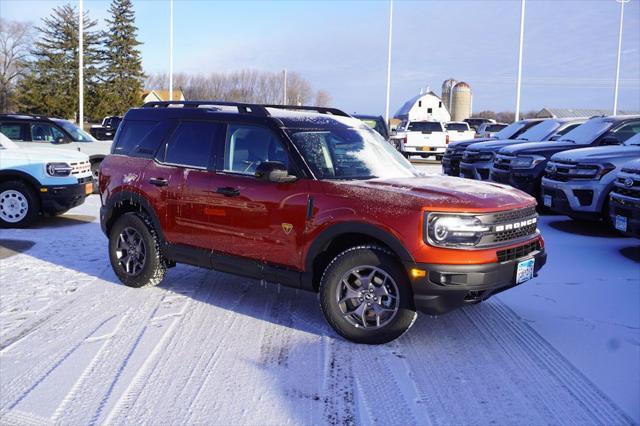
(96, 158)
(135, 198)
(10, 173)
(352, 227)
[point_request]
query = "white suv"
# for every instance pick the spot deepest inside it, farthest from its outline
(40, 181)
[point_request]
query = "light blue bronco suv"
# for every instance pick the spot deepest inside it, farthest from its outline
(40, 181)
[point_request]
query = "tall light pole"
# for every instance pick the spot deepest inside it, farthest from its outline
(519, 80)
(386, 110)
(170, 50)
(80, 64)
(615, 92)
(284, 87)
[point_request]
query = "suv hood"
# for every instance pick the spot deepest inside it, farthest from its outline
(443, 193)
(546, 149)
(598, 153)
(42, 155)
(495, 146)
(466, 143)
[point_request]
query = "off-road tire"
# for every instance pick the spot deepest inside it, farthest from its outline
(29, 195)
(378, 257)
(155, 265)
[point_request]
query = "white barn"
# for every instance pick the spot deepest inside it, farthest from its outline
(425, 106)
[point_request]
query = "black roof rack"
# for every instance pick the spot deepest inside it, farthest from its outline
(245, 108)
(321, 110)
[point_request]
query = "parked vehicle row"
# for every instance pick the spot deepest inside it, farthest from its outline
(35, 182)
(569, 165)
(31, 131)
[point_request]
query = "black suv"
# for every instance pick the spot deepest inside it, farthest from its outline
(522, 166)
(107, 129)
(453, 154)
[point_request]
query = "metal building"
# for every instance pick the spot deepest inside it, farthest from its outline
(447, 92)
(461, 101)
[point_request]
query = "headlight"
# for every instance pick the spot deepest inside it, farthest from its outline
(447, 230)
(591, 171)
(58, 169)
(526, 162)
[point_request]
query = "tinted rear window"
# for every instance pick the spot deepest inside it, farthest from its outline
(192, 142)
(457, 127)
(139, 138)
(425, 126)
(495, 127)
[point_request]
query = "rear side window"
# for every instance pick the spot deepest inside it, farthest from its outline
(139, 138)
(14, 131)
(192, 144)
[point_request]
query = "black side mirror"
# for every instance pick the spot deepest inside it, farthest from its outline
(274, 171)
(609, 140)
(555, 137)
(59, 141)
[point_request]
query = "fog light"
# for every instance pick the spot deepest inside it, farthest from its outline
(418, 273)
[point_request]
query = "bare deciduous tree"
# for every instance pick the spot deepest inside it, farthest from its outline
(15, 39)
(323, 98)
(251, 86)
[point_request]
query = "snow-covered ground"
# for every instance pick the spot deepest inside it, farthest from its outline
(77, 347)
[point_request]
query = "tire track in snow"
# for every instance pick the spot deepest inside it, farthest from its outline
(339, 393)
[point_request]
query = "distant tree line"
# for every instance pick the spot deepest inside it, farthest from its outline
(251, 86)
(504, 116)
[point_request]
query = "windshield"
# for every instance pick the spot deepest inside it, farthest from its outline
(541, 131)
(349, 153)
(425, 126)
(587, 132)
(77, 134)
(510, 130)
(460, 127)
(494, 127)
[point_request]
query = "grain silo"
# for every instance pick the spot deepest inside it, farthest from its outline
(447, 92)
(461, 101)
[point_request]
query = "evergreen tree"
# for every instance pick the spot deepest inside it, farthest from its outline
(122, 71)
(51, 87)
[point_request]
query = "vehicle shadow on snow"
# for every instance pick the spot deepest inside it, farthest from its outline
(10, 248)
(631, 253)
(62, 221)
(584, 228)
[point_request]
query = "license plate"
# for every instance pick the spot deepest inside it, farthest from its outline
(88, 188)
(524, 272)
(621, 223)
(425, 148)
(547, 200)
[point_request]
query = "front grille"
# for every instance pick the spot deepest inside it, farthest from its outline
(634, 193)
(517, 252)
(503, 162)
(622, 180)
(514, 214)
(80, 167)
(476, 156)
(514, 234)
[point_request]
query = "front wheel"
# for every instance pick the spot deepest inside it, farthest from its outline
(366, 296)
(95, 174)
(134, 251)
(19, 205)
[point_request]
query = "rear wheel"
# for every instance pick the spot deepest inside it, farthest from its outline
(134, 251)
(366, 296)
(19, 205)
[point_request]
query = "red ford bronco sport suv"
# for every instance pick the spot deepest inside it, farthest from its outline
(313, 199)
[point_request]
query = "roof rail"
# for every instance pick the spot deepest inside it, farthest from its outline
(321, 110)
(243, 108)
(246, 108)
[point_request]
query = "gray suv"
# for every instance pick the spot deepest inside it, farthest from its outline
(578, 182)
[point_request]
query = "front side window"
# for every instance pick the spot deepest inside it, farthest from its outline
(42, 132)
(350, 153)
(247, 146)
(14, 131)
(192, 144)
(627, 131)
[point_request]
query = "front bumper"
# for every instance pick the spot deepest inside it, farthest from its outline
(465, 284)
(476, 171)
(523, 179)
(620, 205)
(451, 165)
(578, 198)
(60, 198)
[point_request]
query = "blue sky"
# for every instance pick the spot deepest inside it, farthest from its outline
(341, 46)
